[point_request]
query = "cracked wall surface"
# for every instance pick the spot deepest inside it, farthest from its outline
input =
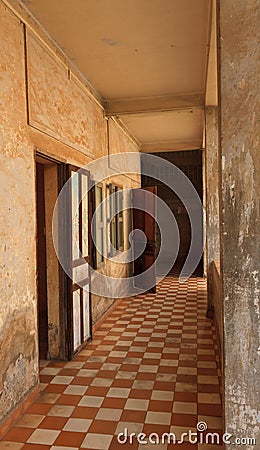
(239, 75)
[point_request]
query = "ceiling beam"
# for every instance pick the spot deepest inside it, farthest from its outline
(139, 105)
(168, 146)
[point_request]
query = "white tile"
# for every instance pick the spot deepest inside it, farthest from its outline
(61, 380)
(168, 377)
(151, 355)
(162, 395)
(89, 373)
(40, 436)
(61, 411)
(74, 365)
(125, 375)
(74, 389)
(143, 384)
(184, 408)
(131, 427)
(79, 425)
(117, 354)
(57, 447)
(118, 392)
(137, 404)
(110, 366)
(158, 418)
(97, 441)
(92, 401)
(50, 371)
(102, 382)
(148, 368)
(209, 398)
(109, 414)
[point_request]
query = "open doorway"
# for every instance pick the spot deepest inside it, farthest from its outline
(64, 302)
(48, 282)
(189, 162)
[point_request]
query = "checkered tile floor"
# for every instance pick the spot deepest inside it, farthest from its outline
(152, 367)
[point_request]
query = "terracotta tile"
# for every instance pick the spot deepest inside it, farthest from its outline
(18, 434)
(209, 409)
(186, 378)
(158, 428)
(185, 397)
(133, 416)
(111, 402)
(92, 365)
(46, 378)
(35, 447)
(67, 399)
(70, 439)
(160, 406)
(140, 393)
(115, 445)
(164, 386)
(130, 367)
(9, 445)
(97, 441)
(55, 388)
(83, 412)
(184, 420)
(209, 388)
(39, 408)
(30, 420)
(106, 374)
(53, 423)
(97, 391)
(103, 427)
(122, 383)
(68, 372)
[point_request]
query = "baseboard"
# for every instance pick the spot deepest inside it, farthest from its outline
(19, 410)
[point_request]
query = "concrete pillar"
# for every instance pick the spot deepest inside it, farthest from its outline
(239, 102)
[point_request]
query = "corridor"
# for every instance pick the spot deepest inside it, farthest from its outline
(152, 367)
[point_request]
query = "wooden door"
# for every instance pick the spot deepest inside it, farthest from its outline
(79, 305)
(144, 221)
(42, 304)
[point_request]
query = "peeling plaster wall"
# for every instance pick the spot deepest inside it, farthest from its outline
(212, 218)
(212, 184)
(18, 335)
(239, 75)
(60, 120)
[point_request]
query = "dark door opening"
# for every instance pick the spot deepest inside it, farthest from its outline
(190, 162)
(41, 264)
(144, 224)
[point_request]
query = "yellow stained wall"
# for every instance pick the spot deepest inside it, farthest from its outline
(43, 107)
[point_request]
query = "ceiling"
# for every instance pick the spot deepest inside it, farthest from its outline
(148, 59)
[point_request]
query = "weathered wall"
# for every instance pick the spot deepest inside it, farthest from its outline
(18, 346)
(212, 183)
(212, 216)
(60, 119)
(239, 76)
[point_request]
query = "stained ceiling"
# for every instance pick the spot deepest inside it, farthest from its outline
(148, 59)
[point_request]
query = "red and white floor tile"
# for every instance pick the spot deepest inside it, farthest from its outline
(152, 367)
